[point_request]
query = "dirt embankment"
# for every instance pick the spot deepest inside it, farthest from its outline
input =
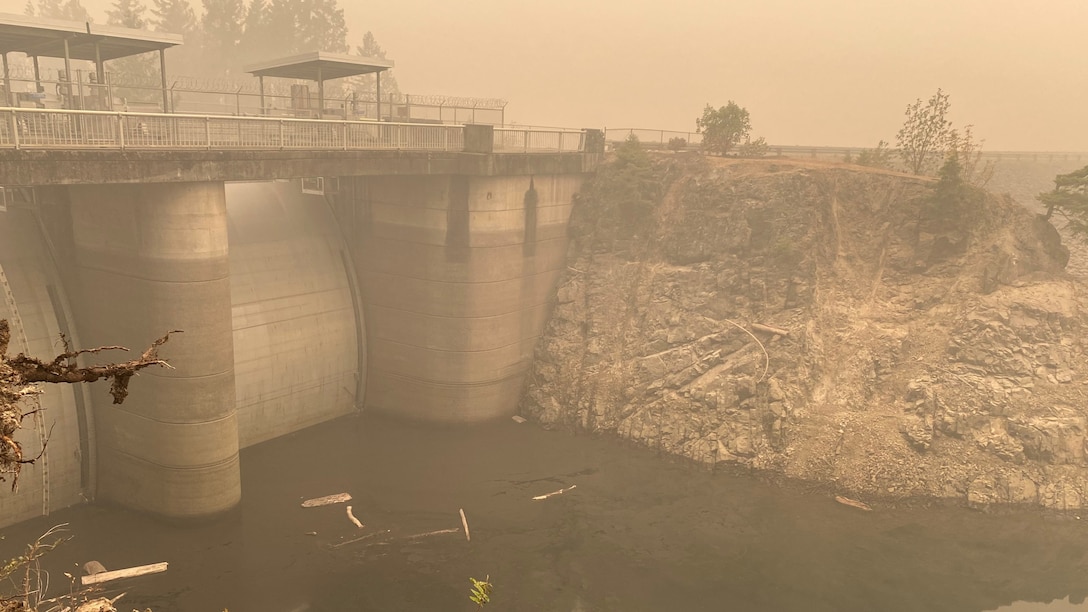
(928, 350)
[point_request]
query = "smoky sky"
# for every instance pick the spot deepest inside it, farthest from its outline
(819, 72)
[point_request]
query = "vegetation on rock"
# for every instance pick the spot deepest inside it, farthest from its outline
(925, 134)
(1069, 198)
(920, 352)
(723, 128)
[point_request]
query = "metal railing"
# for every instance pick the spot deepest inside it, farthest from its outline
(55, 90)
(35, 128)
(538, 140)
(692, 140)
(63, 129)
(653, 137)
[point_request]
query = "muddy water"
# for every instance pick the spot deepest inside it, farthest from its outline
(638, 533)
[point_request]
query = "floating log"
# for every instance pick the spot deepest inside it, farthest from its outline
(853, 503)
(518, 419)
(778, 331)
(352, 518)
(553, 493)
(431, 533)
(327, 500)
(132, 572)
(464, 521)
(360, 538)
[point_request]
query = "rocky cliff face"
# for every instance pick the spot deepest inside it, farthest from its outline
(921, 349)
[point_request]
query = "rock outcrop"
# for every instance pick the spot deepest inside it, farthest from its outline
(922, 348)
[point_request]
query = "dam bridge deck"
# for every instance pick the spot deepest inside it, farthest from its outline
(23, 128)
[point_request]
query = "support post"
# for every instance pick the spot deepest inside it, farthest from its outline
(67, 75)
(100, 79)
(378, 97)
(320, 94)
(37, 76)
(99, 70)
(260, 80)
(162, 75)
(10, 98)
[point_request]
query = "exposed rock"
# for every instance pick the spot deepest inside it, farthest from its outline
(926, 354)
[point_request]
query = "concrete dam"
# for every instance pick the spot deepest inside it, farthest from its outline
(414, 286)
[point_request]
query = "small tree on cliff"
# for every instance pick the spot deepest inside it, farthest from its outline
(1069, 198)
(926, 134)
(880, 157)
(20, 373)
(724, 128)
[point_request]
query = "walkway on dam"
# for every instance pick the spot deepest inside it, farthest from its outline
(54, 129)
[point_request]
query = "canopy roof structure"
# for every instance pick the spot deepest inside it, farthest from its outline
(319, 66)
(41, 37)
(81, 40)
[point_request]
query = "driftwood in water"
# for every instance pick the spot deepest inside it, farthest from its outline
(131, 572)
(327, 500)
(431, 533)
(853, 503)
(360, 538)
(351, 517)
(553, 493)
(464, 522)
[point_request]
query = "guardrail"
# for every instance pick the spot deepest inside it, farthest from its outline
(693, 140)
(512, 140)
(66, 129)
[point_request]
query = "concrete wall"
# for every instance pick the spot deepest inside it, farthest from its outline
(148, 259)
(297, 347)
(455, 274)
(30, 299)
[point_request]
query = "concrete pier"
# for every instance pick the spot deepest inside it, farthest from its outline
(151, 258)
(455, 274)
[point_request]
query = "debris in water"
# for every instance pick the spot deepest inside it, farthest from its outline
(361, 538)
(464, 521)
(131, 572)
(93, 567)
(352, 518)
(327, 500)
(431, 533)
(310, 533)
(100, 604)
(846, 501)
(518, 419)
(559, 492)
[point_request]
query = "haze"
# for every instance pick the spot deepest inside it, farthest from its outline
(823, 72)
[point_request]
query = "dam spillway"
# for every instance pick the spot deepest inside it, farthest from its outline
(414, 295)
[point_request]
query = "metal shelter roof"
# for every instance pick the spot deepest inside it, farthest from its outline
(319, 66)
(41, 37)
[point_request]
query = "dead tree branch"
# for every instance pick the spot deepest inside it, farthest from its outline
(19, 373)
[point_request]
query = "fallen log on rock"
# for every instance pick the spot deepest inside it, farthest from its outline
(777, 331)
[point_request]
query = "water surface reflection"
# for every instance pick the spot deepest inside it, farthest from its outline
(638, 533)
